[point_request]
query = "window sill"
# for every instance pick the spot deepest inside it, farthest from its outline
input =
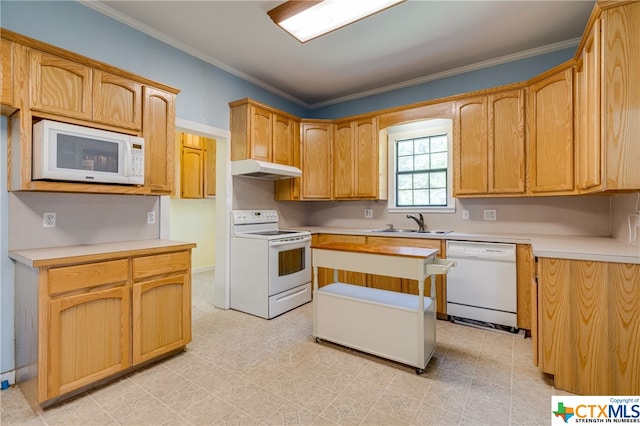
(444, 209)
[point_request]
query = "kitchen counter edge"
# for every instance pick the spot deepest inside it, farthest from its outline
(56, 256)
(603, 249)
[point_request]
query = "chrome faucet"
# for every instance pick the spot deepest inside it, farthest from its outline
(419, 221)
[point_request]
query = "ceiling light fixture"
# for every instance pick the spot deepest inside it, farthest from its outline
(308, 19)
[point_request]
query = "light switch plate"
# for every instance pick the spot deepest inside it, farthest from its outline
(368, 213)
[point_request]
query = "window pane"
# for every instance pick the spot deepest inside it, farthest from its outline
(421, 197)
(421, 180)
(422, 146)
(438, 180)
(439, 197)
(405, 198)
(405, 181)
(421, 162)
(439, 143)
(439, 161)
(405, 164)
(405, 147)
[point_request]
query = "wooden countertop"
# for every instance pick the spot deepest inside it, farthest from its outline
(415, 252)
(57, 256)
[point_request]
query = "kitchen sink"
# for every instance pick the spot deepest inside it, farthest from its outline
(411, 231)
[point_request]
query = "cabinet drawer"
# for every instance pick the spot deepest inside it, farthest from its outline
(70, 278)
(169, 263)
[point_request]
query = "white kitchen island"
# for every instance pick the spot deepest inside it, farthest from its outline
(397, 326)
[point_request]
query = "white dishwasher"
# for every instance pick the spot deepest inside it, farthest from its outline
(482, 287)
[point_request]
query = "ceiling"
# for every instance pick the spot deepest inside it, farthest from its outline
(413, 42)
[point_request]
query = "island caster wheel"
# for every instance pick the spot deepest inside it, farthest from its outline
(419, 371)
(318, 340)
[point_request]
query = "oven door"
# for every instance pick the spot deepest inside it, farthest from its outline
(289, 264)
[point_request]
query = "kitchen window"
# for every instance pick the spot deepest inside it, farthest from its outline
(420, 167)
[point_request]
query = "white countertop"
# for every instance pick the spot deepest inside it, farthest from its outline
(602, 249)
(57, 255)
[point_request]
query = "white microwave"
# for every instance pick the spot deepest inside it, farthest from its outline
(68, 152)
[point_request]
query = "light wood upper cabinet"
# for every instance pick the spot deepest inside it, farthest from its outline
(60, 86)
(471, 147)
(317, 170)
(6, 73)
(550, 133)
(117, 101)
(159, 135)
(358, 160)
(588, 321)
(621, 97)
(489, 145)
(261, 132)
(197, 166)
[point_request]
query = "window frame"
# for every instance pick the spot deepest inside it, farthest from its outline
(424, 128)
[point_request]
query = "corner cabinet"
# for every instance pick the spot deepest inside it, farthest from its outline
(6, 77)
(608, 100)
(85, 314)
(317, 159)
(489, 145)
(550, 133)
(588, 325)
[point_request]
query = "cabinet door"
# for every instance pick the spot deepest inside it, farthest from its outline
(316, 161)
(470, 147)
(326, 276)
(210, 167)
(343, 160)
(621, 96)
(506, 165)
(88, 338)
(6, 72)
(117, 101)
(525, 269)
(366, 161)
(282, 148)
(158, 132)
(588, 113)
(550, 121)
(191, 173)
(161, 316)
(60, 86)
(261, 135)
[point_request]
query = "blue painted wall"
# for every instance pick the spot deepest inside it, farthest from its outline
(205, 89)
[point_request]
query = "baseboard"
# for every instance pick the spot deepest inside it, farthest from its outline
(203, 269)
(10, 376)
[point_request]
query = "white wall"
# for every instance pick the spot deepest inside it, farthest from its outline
(623, 205)
(542, 215)
(194, 221)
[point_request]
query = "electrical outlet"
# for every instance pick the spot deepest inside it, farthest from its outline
(151, 217)
(368, 213)
(465, 214)
(48, 220)
(489, 215)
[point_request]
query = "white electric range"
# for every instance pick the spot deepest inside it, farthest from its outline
(270, 269)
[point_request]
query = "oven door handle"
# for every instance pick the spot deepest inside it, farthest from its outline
(287, 243)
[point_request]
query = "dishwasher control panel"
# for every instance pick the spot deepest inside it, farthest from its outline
(481, 250)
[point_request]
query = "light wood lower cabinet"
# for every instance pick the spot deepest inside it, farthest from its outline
(525, 272)
(589, 326)
(88, 318)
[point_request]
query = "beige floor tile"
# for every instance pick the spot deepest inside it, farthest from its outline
(244, 370)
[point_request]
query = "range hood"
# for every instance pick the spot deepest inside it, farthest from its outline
(263, 170)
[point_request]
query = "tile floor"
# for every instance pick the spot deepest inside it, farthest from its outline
(244, 370)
